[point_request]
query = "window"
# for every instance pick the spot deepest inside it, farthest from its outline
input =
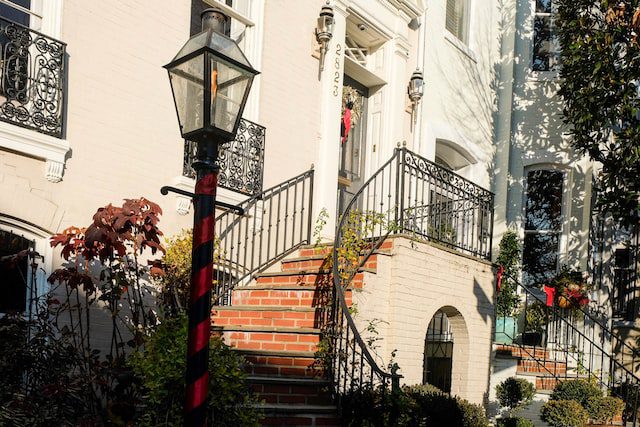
(543, 225)
(457, 20)
(544, 43)
(14, 271)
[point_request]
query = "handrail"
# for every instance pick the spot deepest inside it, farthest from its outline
(352, 363)
(276, 222)
(574, 336)
(408, 193)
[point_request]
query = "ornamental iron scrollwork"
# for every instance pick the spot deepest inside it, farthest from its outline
(241, 161)
(33, 77)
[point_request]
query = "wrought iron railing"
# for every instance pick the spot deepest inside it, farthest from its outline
(274, 224)
(444, 207)
(572, 343)
(241, 161)
(408, 194)
(32, 88)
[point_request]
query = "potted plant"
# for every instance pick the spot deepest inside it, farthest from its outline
(571, 289)
(535, 322)
(508, 300)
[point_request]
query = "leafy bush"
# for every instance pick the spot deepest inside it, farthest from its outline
(604, 409)
(472, 415)
(417, 405)
(579, 390)
(40, 382)
(508, 300)
(513, 422)
(161, 367)
(515, 393)
(564, 413)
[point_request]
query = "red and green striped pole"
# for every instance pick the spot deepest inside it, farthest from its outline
(197, 375)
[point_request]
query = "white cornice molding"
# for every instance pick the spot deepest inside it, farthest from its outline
(411, 8)
(52, 150)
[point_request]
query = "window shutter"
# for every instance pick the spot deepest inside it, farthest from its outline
(452, 17)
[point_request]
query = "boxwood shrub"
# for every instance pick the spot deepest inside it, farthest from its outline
(564, 413)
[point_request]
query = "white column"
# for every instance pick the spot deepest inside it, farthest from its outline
(326, 171)
(501, 175)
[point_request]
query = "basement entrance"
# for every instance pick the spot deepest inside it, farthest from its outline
(438, 353)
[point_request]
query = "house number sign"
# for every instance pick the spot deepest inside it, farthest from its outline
(336, 75)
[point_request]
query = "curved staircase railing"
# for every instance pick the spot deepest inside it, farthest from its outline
(407, 195)
(275, 223)
(578, 344)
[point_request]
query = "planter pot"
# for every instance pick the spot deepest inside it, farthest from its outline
(532, 338)
(506, 330)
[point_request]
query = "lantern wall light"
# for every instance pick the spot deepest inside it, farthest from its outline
(415, 91)
(324, 31)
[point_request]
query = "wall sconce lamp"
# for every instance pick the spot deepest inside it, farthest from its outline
(324, 31)
(415, 91)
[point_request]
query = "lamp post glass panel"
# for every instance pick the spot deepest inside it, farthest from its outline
(210, 79)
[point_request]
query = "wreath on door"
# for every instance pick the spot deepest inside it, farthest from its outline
(351, 111)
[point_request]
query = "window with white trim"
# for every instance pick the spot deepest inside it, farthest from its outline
(457, 19)
(545, 46)
(542, 225)
(22, 267)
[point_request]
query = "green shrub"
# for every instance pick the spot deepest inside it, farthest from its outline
(580, 390)
(515, 393)
(161, 368)
(604, 409)
(564, 413)
(513, 422)
(472, 415)
(417, 405)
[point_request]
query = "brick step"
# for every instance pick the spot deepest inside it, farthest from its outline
(310, 250)
(546, 381)
(314, 277)
(302, 391)
(289, 364)
(304, 296)
(299, 415)
(272, 340)
(541, 366)
(320, 262)
(523, 352)
(274, 316)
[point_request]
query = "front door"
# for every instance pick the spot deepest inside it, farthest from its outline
(353, 135)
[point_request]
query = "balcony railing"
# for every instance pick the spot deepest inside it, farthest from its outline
(241, 161)
(33, 79)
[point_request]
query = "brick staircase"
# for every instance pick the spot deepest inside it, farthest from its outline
(275, 322)
(536, 364)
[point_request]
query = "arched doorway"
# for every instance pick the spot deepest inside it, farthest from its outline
(438, 353)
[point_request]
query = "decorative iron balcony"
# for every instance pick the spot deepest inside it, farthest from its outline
(33, 79)
(241, 161)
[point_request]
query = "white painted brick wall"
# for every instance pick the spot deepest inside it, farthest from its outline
(407, 290)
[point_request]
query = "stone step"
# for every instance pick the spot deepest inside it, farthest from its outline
(273, 316)
(291, 364)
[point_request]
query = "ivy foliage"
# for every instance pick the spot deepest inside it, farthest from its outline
(600, 79)
(508, 300)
